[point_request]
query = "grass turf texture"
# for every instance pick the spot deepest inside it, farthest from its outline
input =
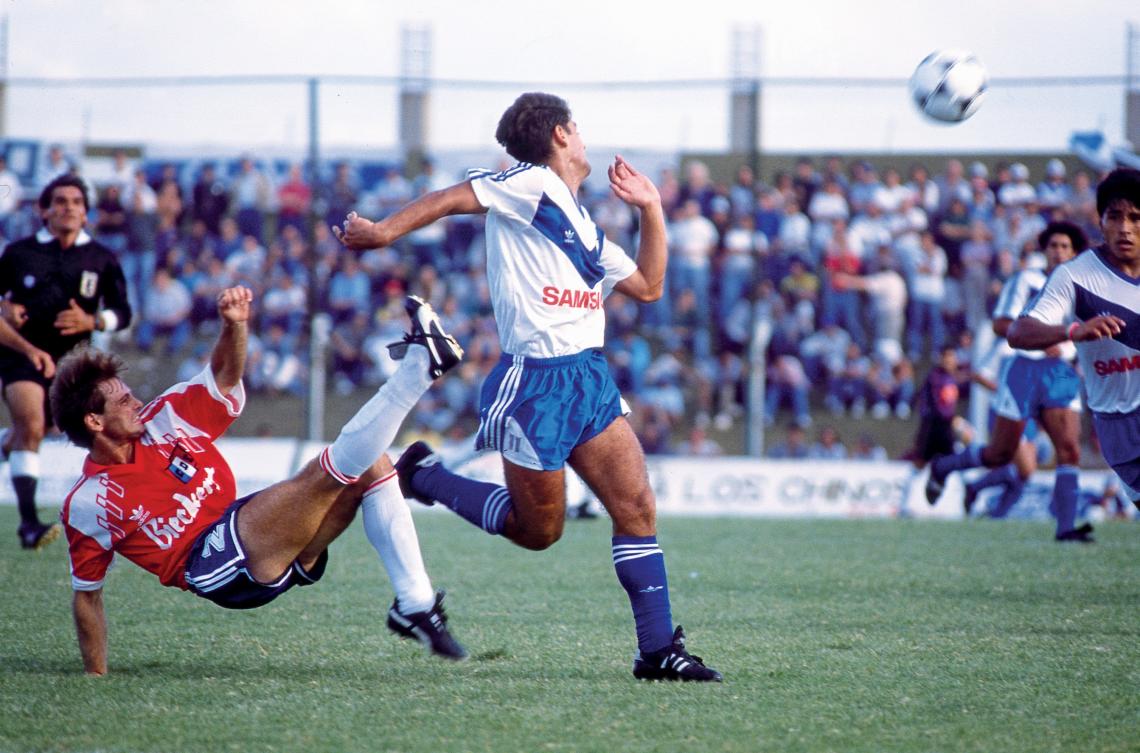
(832, 636)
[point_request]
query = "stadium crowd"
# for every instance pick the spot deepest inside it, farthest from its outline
(863, 276)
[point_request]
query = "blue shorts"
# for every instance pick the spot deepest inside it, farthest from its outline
(216, 568)
(1028, 385)
(535, 411)
(1119, 437)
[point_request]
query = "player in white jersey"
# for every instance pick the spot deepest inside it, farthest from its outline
(1094, 301)
(1033, 385)
(551, 400)
(156, 490)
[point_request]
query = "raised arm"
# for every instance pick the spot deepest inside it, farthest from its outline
(647, 284)
(228, 359)
(359, 233)
(91, 630)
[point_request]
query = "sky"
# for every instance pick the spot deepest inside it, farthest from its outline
(566, 48)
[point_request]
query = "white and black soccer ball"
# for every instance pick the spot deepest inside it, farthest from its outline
(949, 85)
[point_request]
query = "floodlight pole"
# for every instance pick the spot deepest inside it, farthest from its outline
(319, 323)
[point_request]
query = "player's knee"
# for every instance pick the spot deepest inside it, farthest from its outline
(540, 536)
(1068, 453)
(995, 455)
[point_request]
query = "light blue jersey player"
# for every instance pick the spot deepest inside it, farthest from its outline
(1033, 384)
(1095, 302)
(551, 401)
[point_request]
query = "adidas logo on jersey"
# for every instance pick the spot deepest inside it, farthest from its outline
(568, 237)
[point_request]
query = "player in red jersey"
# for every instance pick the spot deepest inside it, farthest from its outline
(156, 490)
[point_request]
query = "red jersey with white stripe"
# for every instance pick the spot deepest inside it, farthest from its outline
(152, 509)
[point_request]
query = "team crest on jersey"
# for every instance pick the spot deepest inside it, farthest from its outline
(181, 464)
(88, 284)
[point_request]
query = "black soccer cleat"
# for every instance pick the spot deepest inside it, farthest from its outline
(427, 330)
(418, 455)
(674, 663)
(429, 628)
(1082, 534)
(936, 482)
(37, 535)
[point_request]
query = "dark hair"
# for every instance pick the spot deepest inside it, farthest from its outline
(1076, 235)
(63, 181)
(75, 390)
(527, 126)
(1122, 183)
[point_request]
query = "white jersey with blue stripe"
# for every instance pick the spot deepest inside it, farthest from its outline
(1017, 293)
(549, 267)
(1079, 290)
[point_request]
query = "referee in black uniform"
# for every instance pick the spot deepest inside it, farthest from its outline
(58, 286)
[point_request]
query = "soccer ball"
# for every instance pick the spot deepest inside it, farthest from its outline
(948, 85)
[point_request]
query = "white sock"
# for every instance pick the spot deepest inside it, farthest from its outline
(372, 430)
(24, 463)
(389, 528)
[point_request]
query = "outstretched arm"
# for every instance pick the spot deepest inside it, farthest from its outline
(359, 233)
(228, 359)
(1028, 333)
(647, 284)
(91, 630)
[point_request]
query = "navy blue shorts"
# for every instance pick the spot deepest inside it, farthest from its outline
(1119, 436)
(536, 410)
(216, 569)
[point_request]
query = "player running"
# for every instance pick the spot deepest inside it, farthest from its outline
(1034, 384)
(551, 400)
(156, 490)
(1094, 301)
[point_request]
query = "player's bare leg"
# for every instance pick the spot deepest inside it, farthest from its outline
(538, 500)
(26, 404)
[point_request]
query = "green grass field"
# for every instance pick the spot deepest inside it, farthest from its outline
(838, 636)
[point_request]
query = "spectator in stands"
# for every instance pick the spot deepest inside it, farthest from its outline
(111, 219)
(828, 445)
(824, 351)
(867, 449)
(630, 355)
(977, 264)
(166, 313)
(654, 429)
(427, 243)
(891, 194)
(284, 304)
(827, 205)
(769, 217)
(849, 388)
(982, 203)
(138, 257)
(350, 362)
(693, 240)
(927, 294)
(792, 239)
(801, 289)
(794, 446)
(787, 385)
(54, 165)
(1017, 192)
(210, 201)
(954, 229)
(169, 203)
(742, 194)
(392, 192)
(349, 290)
(805, 181)
(697, 186)
(252, 194)
(246, 264)
(924, 190)
(840, 302)
(699, 444)
(340, 195)
(281, 371)
(861, 194)
(743, 245)
(953, 185)
(868, 231)
(214, 278)
(295, 196)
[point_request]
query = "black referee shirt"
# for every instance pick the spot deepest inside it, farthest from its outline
(43, 276)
